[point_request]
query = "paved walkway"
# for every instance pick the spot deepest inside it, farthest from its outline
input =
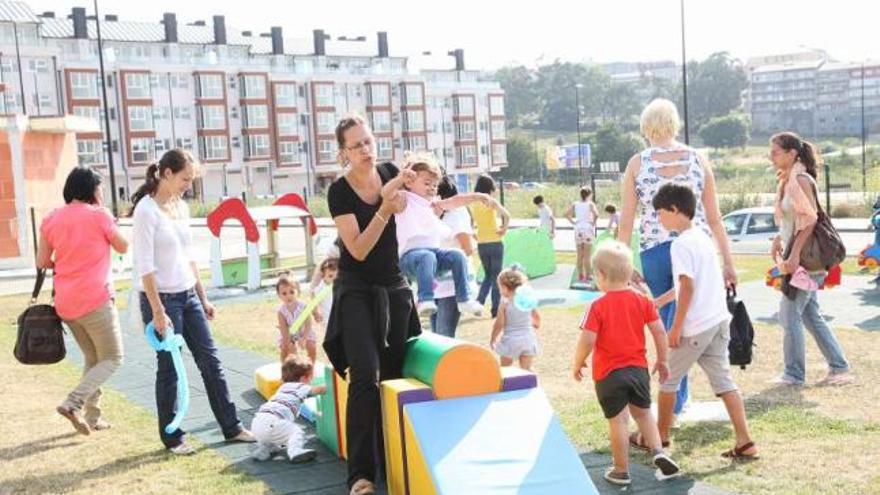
(136, 380)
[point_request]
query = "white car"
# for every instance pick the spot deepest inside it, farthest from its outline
(751, 230)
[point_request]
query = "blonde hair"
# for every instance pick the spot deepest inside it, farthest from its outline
(660, 120)
(512, 278)
(614, 261)
(423, 162)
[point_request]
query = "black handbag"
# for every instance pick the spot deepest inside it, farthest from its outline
(40, 332)
(742, 333)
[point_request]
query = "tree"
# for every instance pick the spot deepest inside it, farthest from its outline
(556, 88)
(729, 131)
(612, 144)
(521, 160)
(715, 88)
(620, 105)
(521, 101)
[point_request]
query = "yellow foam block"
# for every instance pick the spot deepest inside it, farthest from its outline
(267, 379)
(394, 394)
(418, 475)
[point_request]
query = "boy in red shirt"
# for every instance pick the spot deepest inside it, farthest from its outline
(615, 329)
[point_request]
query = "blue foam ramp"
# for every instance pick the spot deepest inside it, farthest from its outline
(505, 443)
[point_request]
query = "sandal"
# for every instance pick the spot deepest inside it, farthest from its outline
(638, 442)
(739, 453)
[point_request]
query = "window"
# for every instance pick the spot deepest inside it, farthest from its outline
(499, 132)
(761, 223)
(257, 145)
(288, 152)
(286, 123)
(464, 106)
(142, 150)
(466, 131)
(185, 143)
(160, 113)
(326, 151)
(140, 118)
(467, 155)
(179, 81)
(210, 86)
(256, 116)
(38, 65)
(8, 66)
(43, 101)
(499, 153)
(213, 117)
(137, 86)
(379, 95)
(12, 102)
(285, 95)
(214, 148)
(89, 152)
(384, 148)
(415, 120)
(161, 145)
(414, 94)
(417, 143)
(158, 81)
(381, 121)
(83, 85)
(326, 122)
(253, 86)
(183, 113)
(87, 112)
(496, 105)
(324, 95)
(733, 224)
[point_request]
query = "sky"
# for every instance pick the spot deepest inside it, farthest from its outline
(496, 33)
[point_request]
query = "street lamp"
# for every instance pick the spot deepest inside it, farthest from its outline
(684, 81)
(107, 141)
(577, 104)
(535, 144)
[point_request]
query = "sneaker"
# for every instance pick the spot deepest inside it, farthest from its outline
(261, 453)
(785, 381)
(75, 419)
(471, 306)
(243, 436)
(182, 448)
(426, 308)
(616, 478)
(666, 467)
(99, 425)
(837, 379)
(304, 455)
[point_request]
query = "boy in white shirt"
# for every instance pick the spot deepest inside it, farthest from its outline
(700, 332)
(545, 215)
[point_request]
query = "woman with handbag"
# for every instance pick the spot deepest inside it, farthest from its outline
(75, 242)
(803, 258)
(172, 296)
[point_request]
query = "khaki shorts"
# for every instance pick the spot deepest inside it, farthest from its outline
(709, 350)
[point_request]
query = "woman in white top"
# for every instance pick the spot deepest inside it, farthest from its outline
(172, 296)
(583, 215)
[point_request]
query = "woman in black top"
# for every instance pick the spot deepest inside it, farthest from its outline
(373, 311)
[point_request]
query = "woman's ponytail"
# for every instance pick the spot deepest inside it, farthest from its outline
(148, 188)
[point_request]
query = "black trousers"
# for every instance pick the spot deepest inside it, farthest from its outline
(370, 362)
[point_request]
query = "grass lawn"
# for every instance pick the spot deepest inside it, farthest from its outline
(40, 453)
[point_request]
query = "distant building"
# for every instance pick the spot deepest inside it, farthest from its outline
(258, 109)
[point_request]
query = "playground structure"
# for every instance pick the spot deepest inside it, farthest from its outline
(869, 258)
(254, 267)
(459, 423)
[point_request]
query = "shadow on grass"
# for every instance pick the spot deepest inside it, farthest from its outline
(776, 397)
(37, 446)
(51, 483)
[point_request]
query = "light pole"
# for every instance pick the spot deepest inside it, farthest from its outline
(537, 157)
(684, 81)
(577, 104)
(115, 206)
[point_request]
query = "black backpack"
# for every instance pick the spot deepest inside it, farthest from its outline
(40, 333)
(742, 334)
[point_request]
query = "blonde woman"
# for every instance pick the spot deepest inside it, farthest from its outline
(664, 161)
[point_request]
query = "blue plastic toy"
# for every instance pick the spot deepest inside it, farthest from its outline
(525, 298)
(172, 343)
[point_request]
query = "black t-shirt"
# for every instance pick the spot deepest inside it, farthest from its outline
(381, 266)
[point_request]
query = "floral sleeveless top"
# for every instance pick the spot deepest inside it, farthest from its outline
(649, 181)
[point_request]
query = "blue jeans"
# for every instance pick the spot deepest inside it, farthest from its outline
(657, 272)
(184, 309)
(801, 312)
(445, 320)
(423, 264)
(492, 257)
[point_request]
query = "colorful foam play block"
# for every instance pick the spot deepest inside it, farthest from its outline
(395, 394)
(452, 368)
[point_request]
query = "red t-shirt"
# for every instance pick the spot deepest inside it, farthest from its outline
(618, 319)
